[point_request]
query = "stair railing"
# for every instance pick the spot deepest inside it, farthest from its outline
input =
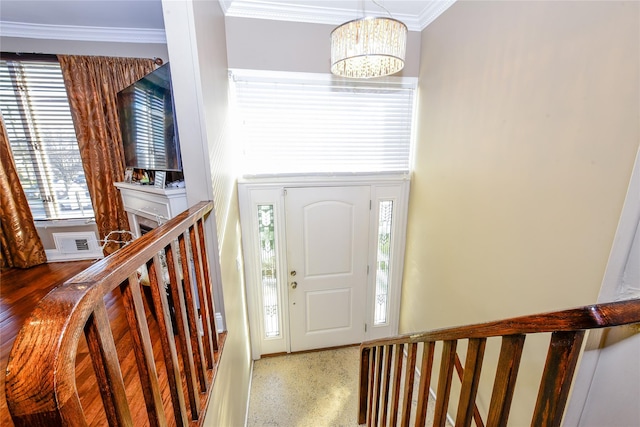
(387, 382)
(41, 384)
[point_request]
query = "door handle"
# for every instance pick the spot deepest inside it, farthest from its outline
(294, 285)
(293, 273)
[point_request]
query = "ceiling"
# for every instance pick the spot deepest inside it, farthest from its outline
(142, 21)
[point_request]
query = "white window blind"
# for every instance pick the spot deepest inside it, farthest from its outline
(302, 126)
(35, 109)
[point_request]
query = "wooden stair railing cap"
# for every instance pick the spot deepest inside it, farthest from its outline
(587, 317)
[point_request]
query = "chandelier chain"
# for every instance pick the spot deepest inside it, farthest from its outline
(382, 7)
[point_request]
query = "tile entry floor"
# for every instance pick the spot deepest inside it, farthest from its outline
(318, 389)
(314, 389)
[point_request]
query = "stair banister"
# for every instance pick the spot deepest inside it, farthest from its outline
(567, 328)
(41, 387)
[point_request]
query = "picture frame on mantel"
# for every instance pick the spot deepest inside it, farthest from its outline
(159, 179)
(128, 175)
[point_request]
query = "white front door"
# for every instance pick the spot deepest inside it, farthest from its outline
(327, 232)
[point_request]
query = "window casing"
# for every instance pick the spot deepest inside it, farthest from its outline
(35, 110)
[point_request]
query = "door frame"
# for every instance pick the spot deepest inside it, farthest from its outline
(270, 190)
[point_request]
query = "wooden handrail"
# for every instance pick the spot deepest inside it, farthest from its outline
(567, 328)
(40, 380)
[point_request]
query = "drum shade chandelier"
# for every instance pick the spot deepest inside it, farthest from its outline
(368, 47)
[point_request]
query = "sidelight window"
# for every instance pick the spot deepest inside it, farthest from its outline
(268, 270)
(383, 261)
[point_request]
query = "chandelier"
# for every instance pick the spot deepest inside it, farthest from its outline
(368, 47)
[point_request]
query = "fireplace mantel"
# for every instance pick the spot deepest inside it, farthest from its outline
(150, 206)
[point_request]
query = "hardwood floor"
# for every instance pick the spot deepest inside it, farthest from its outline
(20, 291)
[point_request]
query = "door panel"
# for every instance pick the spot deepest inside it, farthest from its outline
(328, 234)
(327, 245)
(328, 310)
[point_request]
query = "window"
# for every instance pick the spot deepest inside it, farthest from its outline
(268, 270)
(35, 109)
(299, 124)
(383, 262)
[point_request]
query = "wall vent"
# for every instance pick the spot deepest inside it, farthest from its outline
(82, 244)
(75, 245)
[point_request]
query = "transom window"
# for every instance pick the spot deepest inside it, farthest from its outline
(35, 109)
(293, 123)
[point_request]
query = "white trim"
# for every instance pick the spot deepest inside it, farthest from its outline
(59, 223)
(432, 11)
(219, 322)
(225, 5)
(625, 233)
(249, 198)
(325, 15)
(321, 180)
(246, 414)
(399, 194)
(54, 255)
(242, 74)
(73, 32)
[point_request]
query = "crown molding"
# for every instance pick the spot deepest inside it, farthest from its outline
(236, 8)
(432, 11)
(225, 5)
(79, 33)
(301, 13)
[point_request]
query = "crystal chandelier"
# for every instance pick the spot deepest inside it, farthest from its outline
(368, 47)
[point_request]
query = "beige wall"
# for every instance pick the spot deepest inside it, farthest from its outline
(197, 52)
(260, 44)
(527, 132)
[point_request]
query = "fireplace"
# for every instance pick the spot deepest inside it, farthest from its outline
(147, 206)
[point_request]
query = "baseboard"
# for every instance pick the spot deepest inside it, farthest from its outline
(246, 415)
(220, 323)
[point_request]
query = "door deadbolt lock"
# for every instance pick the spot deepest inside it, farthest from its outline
(293, 272)
(294, 285)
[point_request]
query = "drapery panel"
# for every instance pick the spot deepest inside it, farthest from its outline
(92, 84)
(21, 245)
